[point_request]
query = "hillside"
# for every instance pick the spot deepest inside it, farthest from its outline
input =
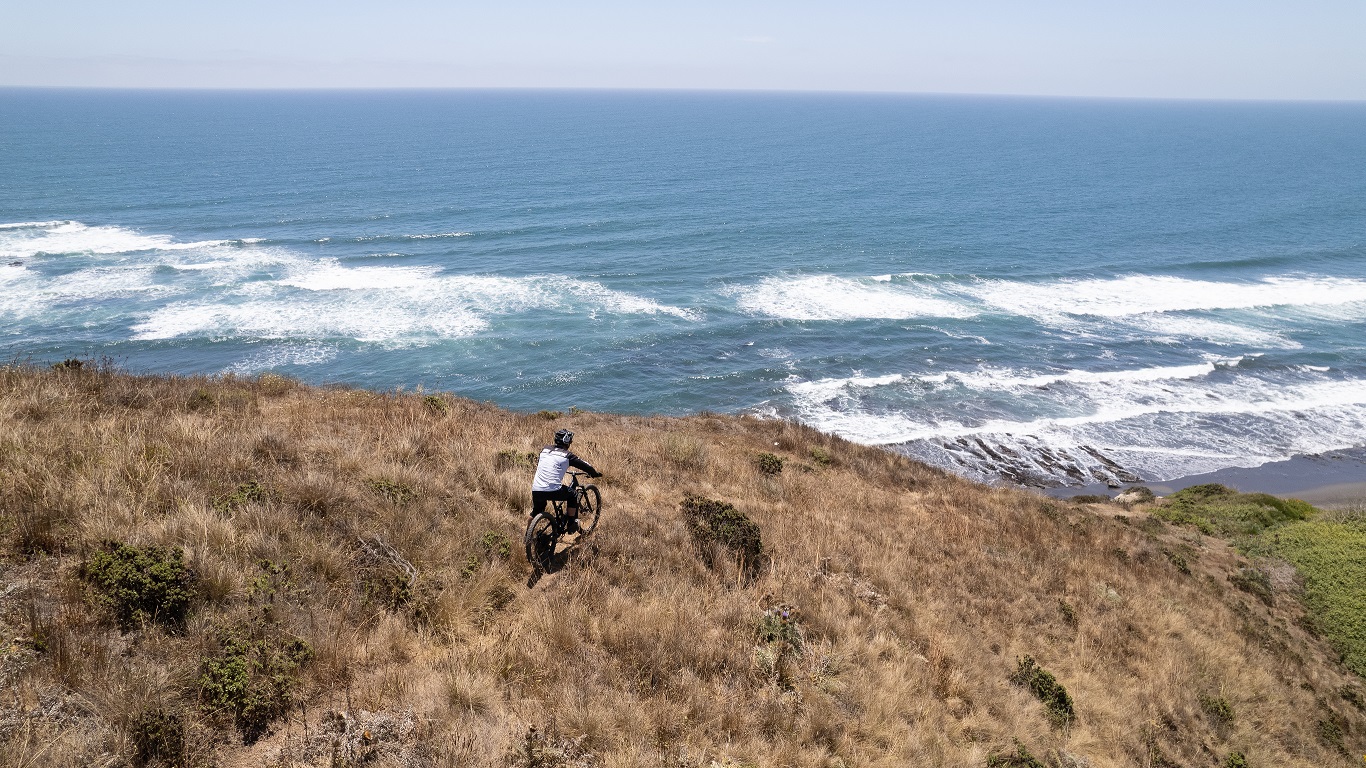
(215, 572)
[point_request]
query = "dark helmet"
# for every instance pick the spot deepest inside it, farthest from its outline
(564, 437)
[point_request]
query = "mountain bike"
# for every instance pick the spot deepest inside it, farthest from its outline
(545, 529)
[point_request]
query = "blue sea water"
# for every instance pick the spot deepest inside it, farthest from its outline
(1054, 291)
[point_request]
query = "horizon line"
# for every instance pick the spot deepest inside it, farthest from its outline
(674, 89)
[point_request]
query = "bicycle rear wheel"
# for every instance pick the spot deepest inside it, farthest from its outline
(540, 541)
(590, 504)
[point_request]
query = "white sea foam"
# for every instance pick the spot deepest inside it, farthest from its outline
(277, 355)
(988, 378)
(26, 240)
(1146, 294)
(827, 297)
(1132, 411)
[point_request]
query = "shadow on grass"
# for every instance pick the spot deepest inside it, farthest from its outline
(564, 554)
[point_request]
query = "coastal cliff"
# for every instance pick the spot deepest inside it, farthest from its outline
(242, 572)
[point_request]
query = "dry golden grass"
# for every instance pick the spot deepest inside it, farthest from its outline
(915, 593)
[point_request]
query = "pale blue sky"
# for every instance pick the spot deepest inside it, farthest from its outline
(1265, 49)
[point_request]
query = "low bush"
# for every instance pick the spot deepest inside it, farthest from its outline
(1218, 709)
(1255, 582)
(549, 415)
(436, 404)
(821, 456)
(1090, 498)
(252, 679)
(1216, 509)
(1331, 557)
(510, 458)
(245, 493)
(768, 463)
(394, 492)
(1235, 760)
(141, 583)
(1057, 703)
(1021, 758)
(158, 736)
(715, 523)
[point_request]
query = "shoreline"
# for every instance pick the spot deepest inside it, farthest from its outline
(1332, 479)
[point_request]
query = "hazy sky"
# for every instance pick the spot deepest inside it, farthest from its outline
(1313, 49)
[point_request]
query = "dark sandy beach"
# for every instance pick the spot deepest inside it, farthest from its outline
(1333, 479)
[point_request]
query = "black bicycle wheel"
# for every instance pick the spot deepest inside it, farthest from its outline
(540, 541)
(590, 504)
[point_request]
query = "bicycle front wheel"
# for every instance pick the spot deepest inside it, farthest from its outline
(540, 541)
(590, 504)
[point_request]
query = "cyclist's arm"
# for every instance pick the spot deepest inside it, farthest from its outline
(578, 463)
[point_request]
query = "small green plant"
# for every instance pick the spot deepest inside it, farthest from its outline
(510, 458)
(69, 364)
(1255, 582)
(768, 463)
(1046, 688)
(1218, 709)
(392, 491)
(1021, 758)
(495, 545)
(200, 399)
(716, 523)
(780, 624)
(1330, 732)
(436, 404)
(492, 546)
(1235, 760)
(141, 583)
(246, 493)
(1177, 560)
(549, 415)
(1069, 614)
(157, 735)
(821, 456)
(1090, 498)
(252, 679)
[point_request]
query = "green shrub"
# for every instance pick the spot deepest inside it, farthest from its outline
(1331, 557)
(246, 492)
(821, 456)
(141, 583)
(252, 679)
(769, 463)
(1020, 759)
(492, 546)
(158, 736)
(1216, 509)
(780, 624)
(436, 404)
(1090, 498)
(1255, 582)
(510, 458)
(1069, 614)
(716, 523)
(394, 492)
(200, 399)
(1235, 760)
(1057, 703)
(549, 415)
(1178, 560)
(495, 545)
(1218, 708)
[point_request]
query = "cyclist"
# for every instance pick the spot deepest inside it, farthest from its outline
(548, 484)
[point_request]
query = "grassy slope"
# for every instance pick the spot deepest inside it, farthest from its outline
(915, 594)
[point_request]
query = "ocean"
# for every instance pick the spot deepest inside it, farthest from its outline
(1054, 292)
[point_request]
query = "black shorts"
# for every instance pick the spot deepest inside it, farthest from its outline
(539, 498)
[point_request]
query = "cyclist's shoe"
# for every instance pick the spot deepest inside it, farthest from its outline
(573, 526)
